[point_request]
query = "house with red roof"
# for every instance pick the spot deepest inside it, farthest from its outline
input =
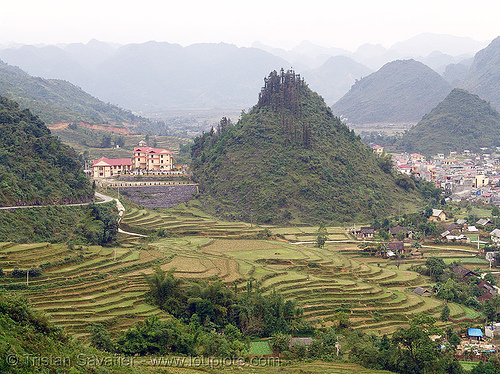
(153, 159)
(110, 167)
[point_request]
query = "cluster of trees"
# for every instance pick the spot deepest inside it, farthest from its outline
(171, 336)
(20, 273)
(418, 223)
(90, 137)
(409, 350)
(98, 226)
(216, 305)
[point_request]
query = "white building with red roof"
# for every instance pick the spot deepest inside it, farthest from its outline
(110, 167)
(153, 159)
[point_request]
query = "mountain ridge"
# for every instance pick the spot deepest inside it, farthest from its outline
(56, 100)
(483, 76)
(401, 91)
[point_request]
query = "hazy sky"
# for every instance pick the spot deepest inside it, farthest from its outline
(346, 23)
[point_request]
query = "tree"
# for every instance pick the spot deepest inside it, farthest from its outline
(280, 342)
(106, 141)
(166, 290)
(386, 164)
(100, 338)
(489, 310)
(445, 313)
(436, 267)
(495, 211)
(322, 236)
(417, 353)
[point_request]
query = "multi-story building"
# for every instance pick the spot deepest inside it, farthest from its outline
(106, 167)
(152, 159)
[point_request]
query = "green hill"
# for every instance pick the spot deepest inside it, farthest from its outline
(56, 101)
(290, 159)
(461, 121)
(400, 92)
(35, 167)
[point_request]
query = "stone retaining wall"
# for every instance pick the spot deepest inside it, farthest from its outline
(159, 195)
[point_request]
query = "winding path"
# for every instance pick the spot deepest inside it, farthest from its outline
(103, 199)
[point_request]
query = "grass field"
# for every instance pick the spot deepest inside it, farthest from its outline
(260, 348)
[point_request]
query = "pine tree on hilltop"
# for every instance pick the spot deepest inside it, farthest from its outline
(281, 92)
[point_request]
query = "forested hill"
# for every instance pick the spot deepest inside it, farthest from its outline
(56, 101)
(35, 167)
(461, 121)
(402, 91)
(291, 159)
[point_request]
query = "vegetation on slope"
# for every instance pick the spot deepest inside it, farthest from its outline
(291, 158)
(58, 101)
(35, 167)
(92, 224)
(30, 343)
(461, 121)
(401, 91)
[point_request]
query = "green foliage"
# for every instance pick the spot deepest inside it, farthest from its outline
(94, 224)
(290, 158)
(445, 313)
(410, 350)
(386, 164)
(28, 336)
(99, 338)
(280, 342)
(461, 121)
(490, 367)
(322, 236)
(35, 167)
(33, 272)
(214, 304)
(436, 267)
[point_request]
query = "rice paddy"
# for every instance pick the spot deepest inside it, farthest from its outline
(81, 286)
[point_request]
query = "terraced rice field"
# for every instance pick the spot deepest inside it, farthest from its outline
(327, 280)
(183, 223)
(96, 284)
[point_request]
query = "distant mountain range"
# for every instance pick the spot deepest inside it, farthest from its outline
(55, 100)
(401, 91)
(335, 77)
(152, 77)
(461, 121)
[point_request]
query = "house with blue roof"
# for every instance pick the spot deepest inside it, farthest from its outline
(475, 334)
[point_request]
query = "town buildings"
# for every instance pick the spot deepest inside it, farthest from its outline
(462, 175)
